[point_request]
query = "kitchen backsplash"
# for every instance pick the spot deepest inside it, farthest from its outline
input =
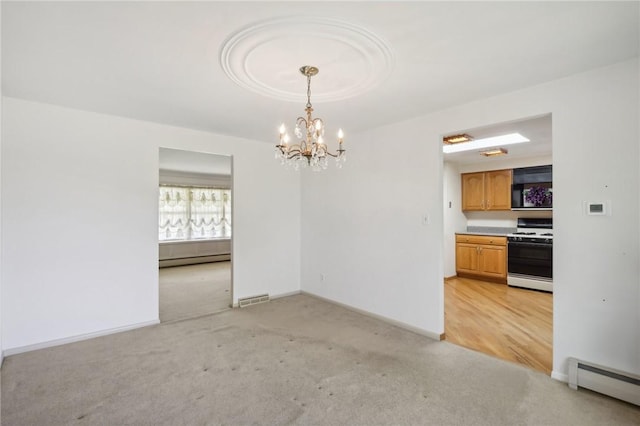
(501, 219)
(491, 229)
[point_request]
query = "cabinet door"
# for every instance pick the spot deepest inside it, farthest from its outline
(467, 258)
(493, 261)
(498, 189)
(473, 191)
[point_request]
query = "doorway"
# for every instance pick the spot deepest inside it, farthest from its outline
(502, 321)
(195, 234)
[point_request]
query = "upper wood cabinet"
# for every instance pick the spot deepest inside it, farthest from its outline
(473, 191)
(486, 190)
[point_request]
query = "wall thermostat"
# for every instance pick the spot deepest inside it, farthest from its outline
(597, 208)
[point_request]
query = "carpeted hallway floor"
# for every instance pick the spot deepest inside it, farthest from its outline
(194, 290)
(296, 360)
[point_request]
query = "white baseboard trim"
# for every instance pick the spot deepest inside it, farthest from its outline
(420, 331)
(77, 338)
(560, 377)
(281, 295)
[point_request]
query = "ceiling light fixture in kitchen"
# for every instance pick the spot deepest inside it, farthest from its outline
(494, 152)
(311, 150)
(457, 138)
(511, 138)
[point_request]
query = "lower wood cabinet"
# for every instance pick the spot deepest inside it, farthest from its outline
(482, 256)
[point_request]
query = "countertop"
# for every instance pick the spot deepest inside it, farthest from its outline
(488, 234)
(491, 231)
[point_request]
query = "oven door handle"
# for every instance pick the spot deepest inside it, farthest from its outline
(525, 244)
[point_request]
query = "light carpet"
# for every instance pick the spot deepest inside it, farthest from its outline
(194, 290)
(296, 360)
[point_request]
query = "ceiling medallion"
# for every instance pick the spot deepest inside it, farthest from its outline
(255, 56)
(311, 150)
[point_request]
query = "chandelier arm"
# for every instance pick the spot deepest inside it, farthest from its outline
(293, 150)
(334, 155)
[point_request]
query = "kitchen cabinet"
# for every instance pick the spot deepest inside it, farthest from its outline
(482, 257)
(486, 190)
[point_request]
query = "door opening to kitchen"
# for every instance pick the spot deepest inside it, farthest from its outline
(194, 233)
(498, 225)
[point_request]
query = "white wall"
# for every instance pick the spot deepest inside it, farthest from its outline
(173, 177)
(394, 176)
(68, 177)
(596, 148)
(363, 228)
(501, 163)
(453, 218)
(1, 269)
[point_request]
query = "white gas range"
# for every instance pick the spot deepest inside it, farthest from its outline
(530, 254)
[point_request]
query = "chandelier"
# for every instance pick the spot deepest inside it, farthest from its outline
(311, 150)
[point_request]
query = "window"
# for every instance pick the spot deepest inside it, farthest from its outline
(192, 213)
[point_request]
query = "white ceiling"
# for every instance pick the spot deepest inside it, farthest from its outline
(381, 62)
(536, 129)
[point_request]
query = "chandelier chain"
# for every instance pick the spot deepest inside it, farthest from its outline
(308, 91)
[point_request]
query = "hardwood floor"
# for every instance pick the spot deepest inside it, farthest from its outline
(509, 323)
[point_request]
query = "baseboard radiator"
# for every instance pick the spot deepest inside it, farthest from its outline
(183, 261)
(604, 380)
(248, 301)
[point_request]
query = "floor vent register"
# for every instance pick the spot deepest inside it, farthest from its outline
(253, 300)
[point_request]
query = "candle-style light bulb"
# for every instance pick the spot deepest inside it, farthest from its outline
(285, 139)
(282, 129)
(340, 135)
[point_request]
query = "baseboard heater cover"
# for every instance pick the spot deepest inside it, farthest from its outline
(604, 380)
(248, 301)
(183, 261)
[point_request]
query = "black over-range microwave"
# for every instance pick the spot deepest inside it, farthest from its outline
(532, 188)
